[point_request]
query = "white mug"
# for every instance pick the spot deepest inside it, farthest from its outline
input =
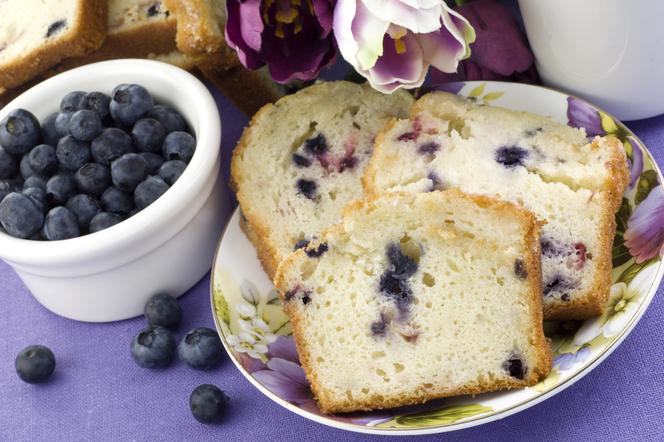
(607, 51)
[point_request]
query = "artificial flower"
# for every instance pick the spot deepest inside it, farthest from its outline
(644, 236)
(293, 37)
(623, 302)
(392, 43)
(500, 51)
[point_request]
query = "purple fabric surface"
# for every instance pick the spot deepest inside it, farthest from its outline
(98, 393)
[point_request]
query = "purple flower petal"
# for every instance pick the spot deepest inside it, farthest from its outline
(442, 49)
(283, 385)
(392, 67)
(289, 369)
(248, 57)
(636, 164)
(284, 347)
(644, 236)
(564, 361)
(250, 364)
(251, 23)
(581, 115)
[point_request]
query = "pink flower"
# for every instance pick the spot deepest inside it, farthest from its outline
(392, 43)
(644, 236)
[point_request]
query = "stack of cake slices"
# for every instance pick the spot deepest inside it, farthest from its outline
(417, 256)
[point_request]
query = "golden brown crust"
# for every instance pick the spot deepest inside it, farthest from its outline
(87, 34)
(199, 30)
(330, 404)
(249, 90)
(618, 169)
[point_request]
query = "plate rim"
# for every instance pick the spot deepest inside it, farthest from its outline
(482, 418)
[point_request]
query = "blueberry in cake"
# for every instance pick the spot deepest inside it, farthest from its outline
(443, 290)
(300, 162)
(575, 186)
(35, 35)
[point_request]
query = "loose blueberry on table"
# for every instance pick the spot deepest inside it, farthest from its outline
(99, 160)
(35, 364)
(208, 403)
(201, 348)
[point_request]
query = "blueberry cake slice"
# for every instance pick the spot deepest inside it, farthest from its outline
(200, 25)
(300, 162)
(575, 186)
(35, 35)
(444, 294)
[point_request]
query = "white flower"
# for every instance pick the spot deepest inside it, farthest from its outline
(623, 303)
(254, 335)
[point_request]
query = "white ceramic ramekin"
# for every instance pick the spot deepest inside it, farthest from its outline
(168, 247)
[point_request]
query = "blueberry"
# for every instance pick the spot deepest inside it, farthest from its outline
(307, 188)
(401, 265)
(8, 164)
(393, 282)
(201, 348)
(8, 186)
(62, 123)
(35, 181)
(19, 216)
(35, 364)
(208, 403)
(84, 207)
(408, 136)
(93, 179)
(154, 161)
(301, 244)
(49, 131)
(164, 311)
(148, 135)
(59, 188)
(43, 160)
(169, 118)
(436, 182)
(170, 171)
(38, 196)
(316, 145)
(72, 153)
(515, 367)
(129, 171)
(110, 145)
(72, 101)
(511, 156)
(153, 347)
(129, 103)
(85, 125)
(179, 146)
(347, 162)
(379, 328)
(115, 200)
(149, 191)
(301, 161)
(104, 220)
(19, 132)
(60, 223)
(520, 269)
(97, 102)
(428, 148)
(55, 27)
(25, 169)
(318, 251)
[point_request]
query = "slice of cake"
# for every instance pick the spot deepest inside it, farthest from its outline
(574, 186)
(300, 162)
(35, 35)
(418, 296)
(200, 25)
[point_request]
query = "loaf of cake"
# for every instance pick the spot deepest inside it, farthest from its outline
(35, 35)
(416, 296)
(200, 25)
(300, 161)
(573, 185)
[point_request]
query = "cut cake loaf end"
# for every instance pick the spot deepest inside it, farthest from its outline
(35, 35)
(300, 161)
(575, 186)
(413, 297)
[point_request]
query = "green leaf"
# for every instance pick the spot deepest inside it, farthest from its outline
(619, 252)
(647, 182)
(221, 307)
(608, 124)
(622, 216)
(477, 91)
(629, 150)
(274, 301)
(631, 272)
(493, 96)
(443, 416)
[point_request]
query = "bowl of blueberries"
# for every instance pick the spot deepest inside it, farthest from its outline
(109, 187)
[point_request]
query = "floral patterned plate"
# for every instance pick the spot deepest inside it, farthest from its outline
(257, 334)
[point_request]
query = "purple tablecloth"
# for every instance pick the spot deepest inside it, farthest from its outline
(98, 393)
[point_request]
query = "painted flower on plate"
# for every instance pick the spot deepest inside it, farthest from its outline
(623, 302)
(254, 335)
(644, 236)
(581, 115)
(392, 43)
(293, 37)
(636, 161)
(566, 361)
